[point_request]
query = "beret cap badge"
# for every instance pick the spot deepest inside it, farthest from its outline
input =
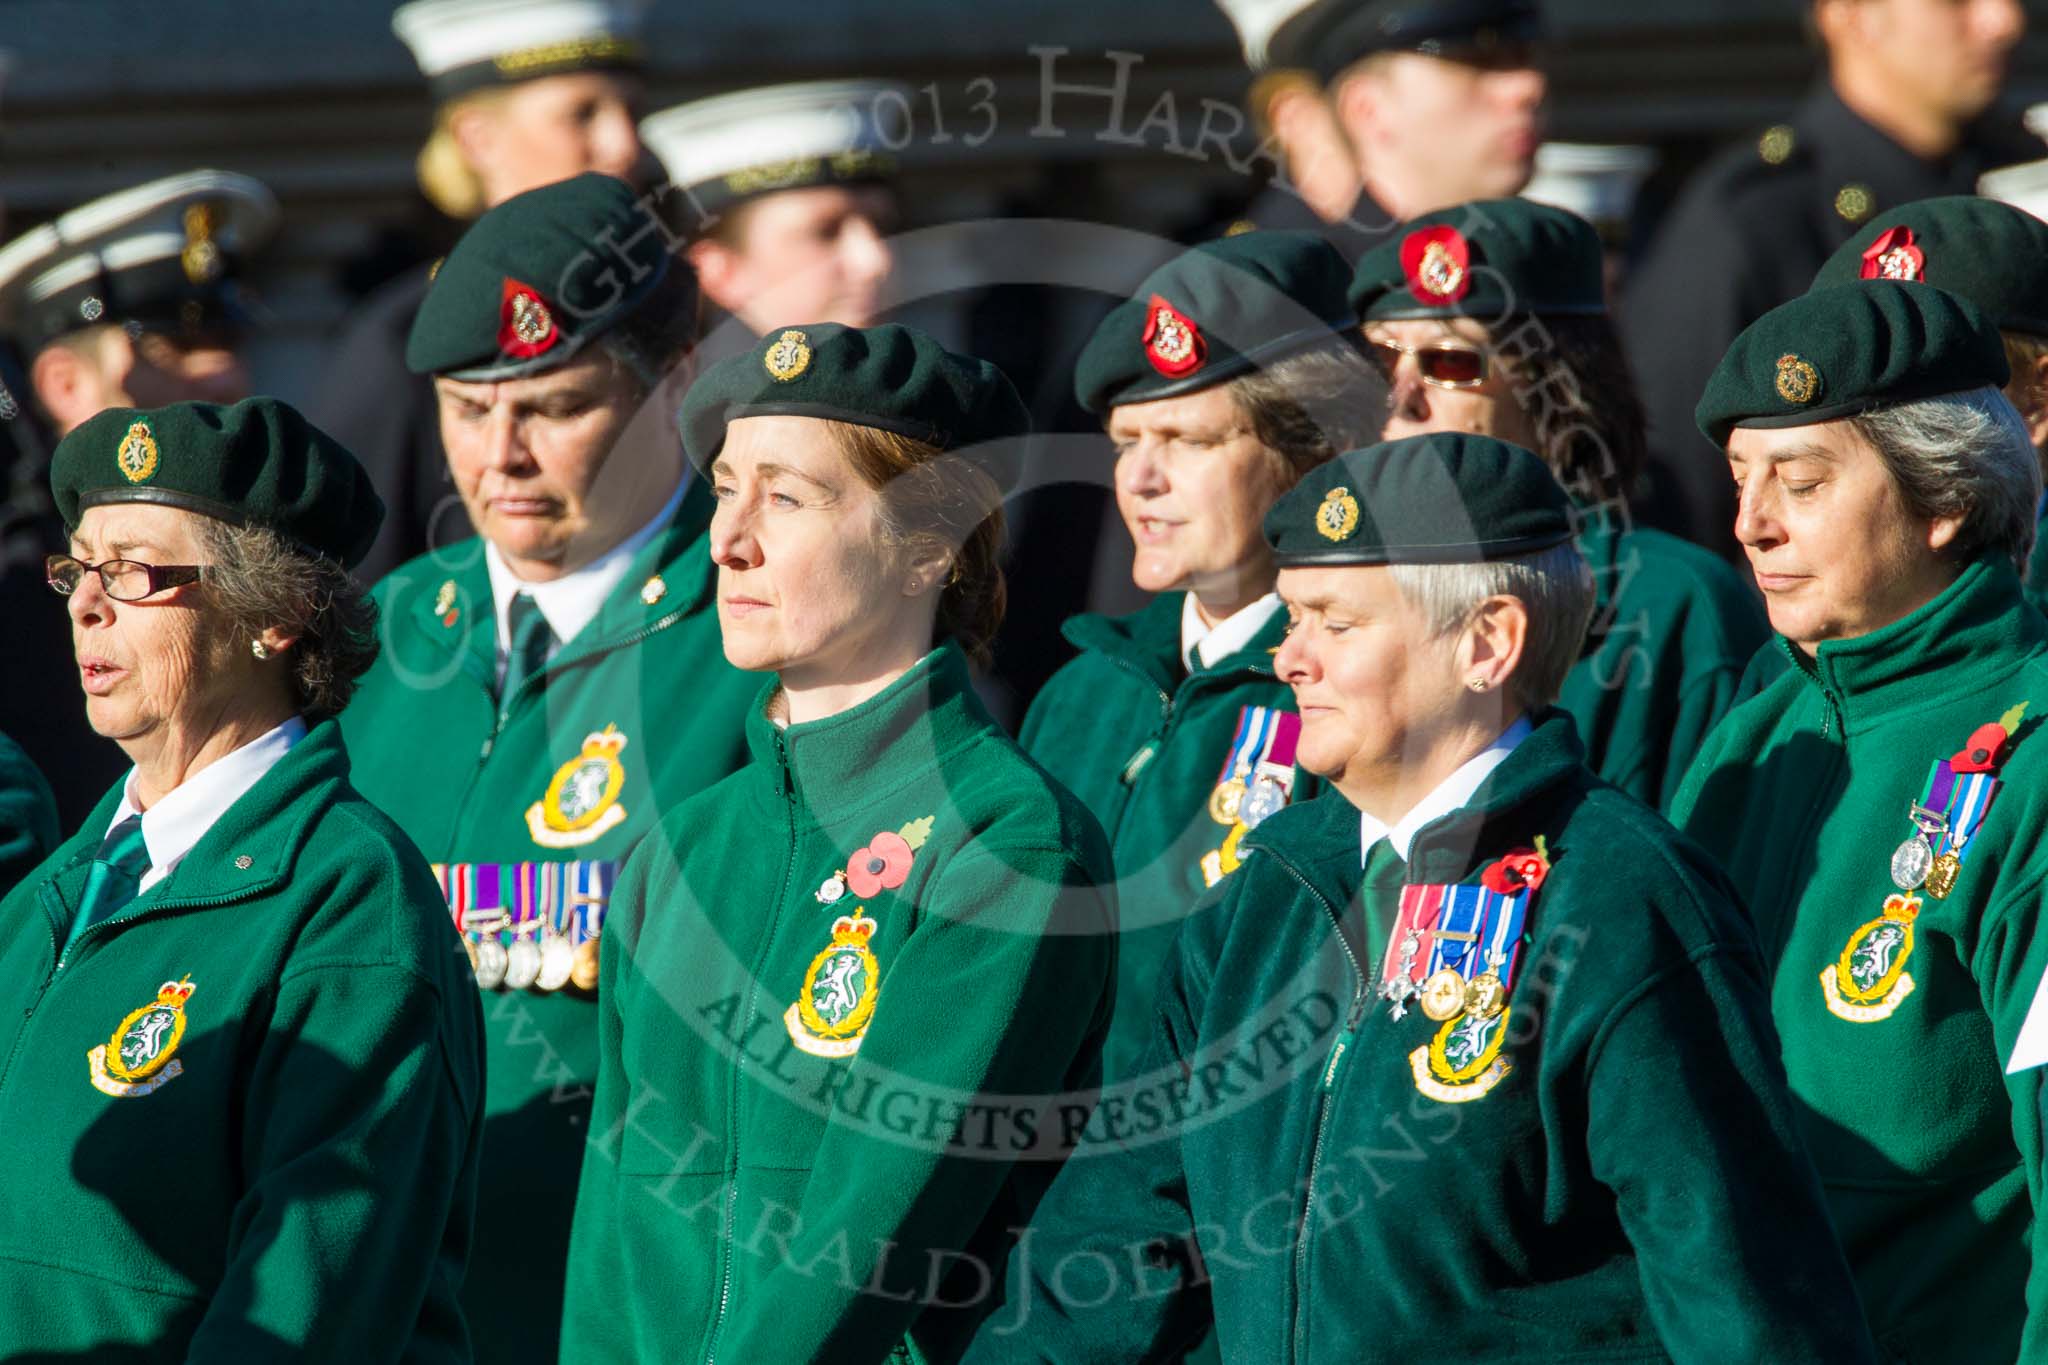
(526, 326)
(137, 454)
(1173, 343)
(789, 357)
(1337, 514)
(1438, 263)
(1798, 381)
(201, 257)
(1894, 256)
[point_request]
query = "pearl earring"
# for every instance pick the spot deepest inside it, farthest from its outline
(1477, 684)
(259, 649)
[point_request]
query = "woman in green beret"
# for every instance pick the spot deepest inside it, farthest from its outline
(243, 1071)
(1491, 317)
(1472, 1059)
(849, 987)
(1883, 804)
(1229, 373)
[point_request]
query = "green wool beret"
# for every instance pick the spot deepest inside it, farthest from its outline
(1843, 349)
(1213, 313)
(1992, 254)
(1443, 498)
(891, 377)
(538, 278)
(1490, 260)
(258, 463)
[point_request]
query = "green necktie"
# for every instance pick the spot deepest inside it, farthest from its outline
(1383, 866)
(114, 877)
(532, 638)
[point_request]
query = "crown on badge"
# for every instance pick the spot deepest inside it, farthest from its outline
(854, 928)
(1902, 905)
(605, 743)
(174, 994)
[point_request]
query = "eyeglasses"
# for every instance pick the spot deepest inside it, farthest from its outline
(125, 580)
(1442, 365)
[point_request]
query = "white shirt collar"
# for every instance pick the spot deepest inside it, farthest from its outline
(1200, 641)
(181, 818)
(1449, 794)
(571, 602)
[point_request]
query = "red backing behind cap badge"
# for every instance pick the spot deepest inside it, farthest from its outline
(1438, 263)
(1895, 256)
(1173, 343)
(525, 326)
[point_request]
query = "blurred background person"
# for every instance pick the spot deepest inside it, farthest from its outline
(550, 687)
(138, 298)
(1904, 111)
(527, 92)
(787, 196)
(278, 1126)
(1440, 101)
(1491, 318)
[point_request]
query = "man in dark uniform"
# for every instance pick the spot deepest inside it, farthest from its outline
(527, 93)
(133, 299)
(1901, 115)
(1439, 101)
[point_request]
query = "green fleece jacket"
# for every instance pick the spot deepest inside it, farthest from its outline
(28, 815)
(1144, 743)
(241, 1115)
(1673, 627)
(1621, 1180)
(499, 802)
(862, 992)
(1932, 1158)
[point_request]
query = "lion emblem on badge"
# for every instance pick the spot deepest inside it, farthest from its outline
(789, 357)
(1337, 515)
(1869, 980)
(137, 454)
(1462, 1062)
(840, 988)
(582, 799)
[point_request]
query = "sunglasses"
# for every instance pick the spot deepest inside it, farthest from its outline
(1442, 365)
(124, 580)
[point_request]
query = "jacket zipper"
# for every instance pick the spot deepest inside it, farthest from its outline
(732, 1117)
(1331, 1070)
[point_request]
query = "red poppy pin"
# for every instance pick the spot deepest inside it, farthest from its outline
(1988, 744)
(1894, 256)
(1438, 263)
(525, 326)
(1523, 868)
(882, 866)
(1173, 343)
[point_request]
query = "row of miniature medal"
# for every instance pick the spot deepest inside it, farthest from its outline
(547, 938)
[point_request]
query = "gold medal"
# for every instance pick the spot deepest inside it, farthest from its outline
(584, 975)
(1443, 995)
(1941, 878)
(1485, 996)
(1225, 801)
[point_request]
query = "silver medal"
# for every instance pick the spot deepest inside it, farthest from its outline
(1914, 859)
(557, 962)
(522, 964)
(1265, 800)
(490, 963)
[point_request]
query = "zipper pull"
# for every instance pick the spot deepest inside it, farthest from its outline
(1139, 761)
(1344, 1041)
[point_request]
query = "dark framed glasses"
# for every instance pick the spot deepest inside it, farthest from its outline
(1443, 364)
(125, 580)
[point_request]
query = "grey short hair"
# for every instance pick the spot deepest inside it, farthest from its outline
(1313, 405)
(1555, 585)
(1963, 455)
(256, 579)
